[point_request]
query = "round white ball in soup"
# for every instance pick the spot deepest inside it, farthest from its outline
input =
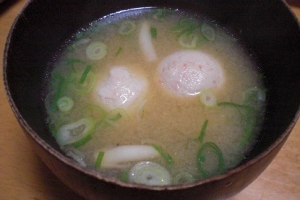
(189, 72)
(120, 89)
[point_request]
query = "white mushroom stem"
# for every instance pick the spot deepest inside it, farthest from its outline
(118, 157)
(146, 42)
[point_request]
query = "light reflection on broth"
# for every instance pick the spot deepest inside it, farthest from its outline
(157, 125)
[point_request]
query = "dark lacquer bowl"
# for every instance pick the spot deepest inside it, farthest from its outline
(267, 29)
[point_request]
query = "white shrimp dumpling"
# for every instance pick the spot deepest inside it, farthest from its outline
(188, 72)
(120, 89)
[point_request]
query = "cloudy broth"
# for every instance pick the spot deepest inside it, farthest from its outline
(193, 138)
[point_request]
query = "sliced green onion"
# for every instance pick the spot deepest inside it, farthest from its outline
(71, 47)
(208, 32)
(58, 92)
(75, 60)
(201, 158)
(187, 32)
(249, 127)
(117, 114)
(255, 94)
(120, 49)
(153, 32)
(65, 104)
(203, 130)
(149, 173)
(163, 154)
(94, 111)
(127, 27)
(96, 51)
(75, 64)
(55, 75)
(188, 22)
(85, 73)
(248, 117)
(82, 142)
(71, 133)
(160, 14)
(186, 25)
(239, 107)
(124, 176)
(116, 117)
(86, 86)
(233, 105)
(208, 98)
(183, 177)
(188, 41)
(99, 159)
(179, 28)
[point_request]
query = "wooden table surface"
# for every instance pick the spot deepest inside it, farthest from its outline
(24, 176)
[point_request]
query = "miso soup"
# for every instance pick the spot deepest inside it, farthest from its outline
(155, 97)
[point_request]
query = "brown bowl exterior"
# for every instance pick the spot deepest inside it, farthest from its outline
(267, 29)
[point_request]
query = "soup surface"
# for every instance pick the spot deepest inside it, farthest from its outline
(155, 97)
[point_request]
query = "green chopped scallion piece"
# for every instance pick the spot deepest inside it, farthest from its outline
(254, 95)
(163, 154)
(124, 176)
(76, 64)
(74, 60)
(87, 85)
(247, 117)
(250, 124)
(75, 133)
(116, 117)
(186, 26)
(187, 32)
(99, 159)
(202, 132)
(96, 51)
(120, 49)
(127, 27)
(208, 32)
(94, 111)
(85, 73)
(81, 142)
(65, 104)
(71, 47)
(58, 92)
(232, 104)
(188, 41)
(153, 32)
(149, 173)
(160, 14)
(202, 158)
(117, 114)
